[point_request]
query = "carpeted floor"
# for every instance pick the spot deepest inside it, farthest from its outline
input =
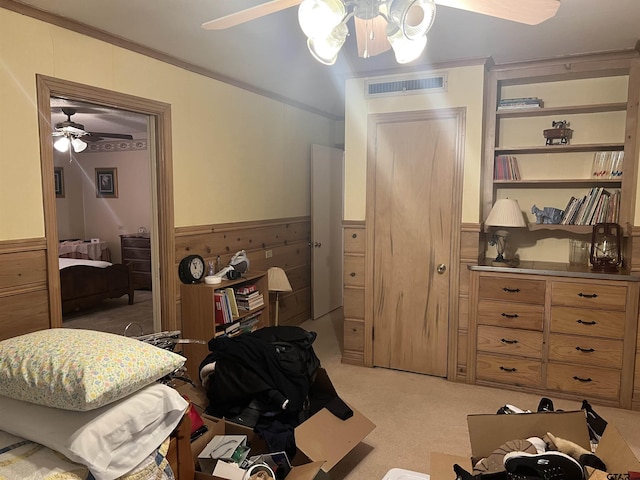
(414, 414)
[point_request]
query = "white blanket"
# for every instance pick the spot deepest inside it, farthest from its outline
(69, 262)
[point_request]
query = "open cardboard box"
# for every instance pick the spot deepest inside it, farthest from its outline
(488, 432)
(322, 440)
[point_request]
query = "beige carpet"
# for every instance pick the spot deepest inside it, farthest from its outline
(414, 414)
(418, 414)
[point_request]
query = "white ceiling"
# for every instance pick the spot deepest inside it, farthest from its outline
(271, 54)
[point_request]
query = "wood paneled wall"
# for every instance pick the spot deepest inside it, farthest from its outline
(24, 301)
(470, 252)
(286, 240)
(632, 250)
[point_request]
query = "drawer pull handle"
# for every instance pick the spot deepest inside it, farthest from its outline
(584, 380)
(355, 235)
(510, 342)
(588, 295)
(585, 350)
(509, 315)
(353, 274)
(591, 322)
(505, 369)
(511, 290)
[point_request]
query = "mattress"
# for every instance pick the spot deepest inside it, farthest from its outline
(22, 459)
(70, 262)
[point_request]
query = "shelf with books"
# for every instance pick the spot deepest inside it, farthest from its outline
(200, 320)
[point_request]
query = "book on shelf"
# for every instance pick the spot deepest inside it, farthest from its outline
(597, 206)
(246, 289)
(232, 301)
(250, 304)
(218, 308)
(607, 164)
(506, 168)
(520, 103)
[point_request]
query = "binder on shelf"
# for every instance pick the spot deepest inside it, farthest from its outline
(232, 301)
(218, 308)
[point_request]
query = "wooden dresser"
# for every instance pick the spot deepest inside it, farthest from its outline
(548, 330)
(136, 249)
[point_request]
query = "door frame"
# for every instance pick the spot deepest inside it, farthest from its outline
(454, 255)
(160, 125)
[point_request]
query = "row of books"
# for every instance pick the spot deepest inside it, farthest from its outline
(598, 206)
(229, 302)
(505, 167)
(238, 327)
(607, 165)
(520, 103)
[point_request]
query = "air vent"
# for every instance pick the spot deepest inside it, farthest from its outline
(404, 85)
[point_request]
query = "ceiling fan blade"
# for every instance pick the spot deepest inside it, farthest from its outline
(530, 12)
(122, 136)
(248, 14)
(371, 36)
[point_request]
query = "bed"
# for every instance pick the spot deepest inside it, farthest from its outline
(88, 405)
(84, 283)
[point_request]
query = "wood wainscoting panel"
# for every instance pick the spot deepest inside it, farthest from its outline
(24, 300)
(632, 250)
(277, 242)
(470, 251)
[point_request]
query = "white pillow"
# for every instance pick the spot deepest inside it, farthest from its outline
(79, 369)
(110, 440)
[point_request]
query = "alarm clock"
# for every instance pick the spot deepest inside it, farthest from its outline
(191, 269)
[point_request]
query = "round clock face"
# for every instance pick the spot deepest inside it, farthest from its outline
(191, 269)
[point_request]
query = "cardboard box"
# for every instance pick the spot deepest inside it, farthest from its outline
(220, 447)
(322, 440)
(488, 432)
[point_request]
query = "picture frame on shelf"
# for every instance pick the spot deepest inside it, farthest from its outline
(106, 182)
(58, 181)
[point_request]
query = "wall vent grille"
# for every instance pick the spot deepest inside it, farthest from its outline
(406, 85)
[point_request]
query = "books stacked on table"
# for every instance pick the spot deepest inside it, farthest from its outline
(248, 297)
(520, 103)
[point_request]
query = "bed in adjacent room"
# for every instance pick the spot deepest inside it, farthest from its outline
(84, 283)
(86, 405)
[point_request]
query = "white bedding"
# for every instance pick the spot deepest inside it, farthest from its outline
(69, 262)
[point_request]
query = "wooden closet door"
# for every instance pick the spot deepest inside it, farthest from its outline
(413, 159)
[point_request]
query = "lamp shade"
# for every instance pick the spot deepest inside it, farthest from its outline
(505, 213)
(277, 280)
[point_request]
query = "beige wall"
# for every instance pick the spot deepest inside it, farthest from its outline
(465, 89)
(237, 156)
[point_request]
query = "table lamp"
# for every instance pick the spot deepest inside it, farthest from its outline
(505, 213)
(277, 281)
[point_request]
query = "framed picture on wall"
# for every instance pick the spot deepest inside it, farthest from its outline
(58, 181)
(107, 182)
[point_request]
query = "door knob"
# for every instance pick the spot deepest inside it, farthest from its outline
(317, 244)
(442, 268)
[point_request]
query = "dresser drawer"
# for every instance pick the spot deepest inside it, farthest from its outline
(354, 335)
(510, 341)
(354, 270)
(136, 242)
(353, 302)
(585, 350)
(584, 381)
(512, 315)
(592, 322)
(589, 295)
(512, 289)
(508, 370)
(354, 240)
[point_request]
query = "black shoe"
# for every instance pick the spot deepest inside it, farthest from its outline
(545, 466)
(545, 405)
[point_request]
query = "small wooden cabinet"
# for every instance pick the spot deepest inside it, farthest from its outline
(555, 332)
(353, 301)
(198, 314)
(136, 249)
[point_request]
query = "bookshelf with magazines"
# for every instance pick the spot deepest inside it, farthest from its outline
(209, 311)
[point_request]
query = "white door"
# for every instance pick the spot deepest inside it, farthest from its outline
(326, 229)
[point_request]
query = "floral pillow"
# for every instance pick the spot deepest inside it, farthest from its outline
(79, 370)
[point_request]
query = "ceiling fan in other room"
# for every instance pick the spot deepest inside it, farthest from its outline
(382, 24)
(74, 135)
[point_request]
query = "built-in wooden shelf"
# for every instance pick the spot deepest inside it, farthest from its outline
(567, 110)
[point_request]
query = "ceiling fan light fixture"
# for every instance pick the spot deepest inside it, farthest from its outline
(78, 145)
(414, 17)
(318, 18)
(62, 144)
(325, 50)
(406, 50)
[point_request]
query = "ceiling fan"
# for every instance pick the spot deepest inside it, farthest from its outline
(381, 24)
(74, 134)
